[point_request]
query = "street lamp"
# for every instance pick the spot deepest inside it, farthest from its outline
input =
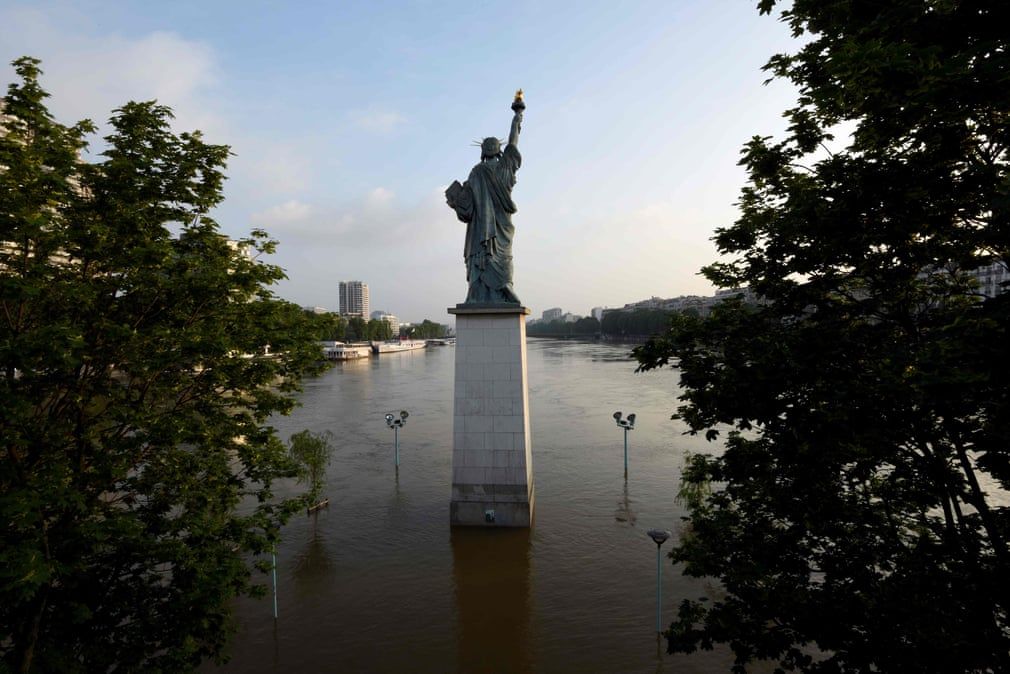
(628, 425)
(660, 536)
(396, 424)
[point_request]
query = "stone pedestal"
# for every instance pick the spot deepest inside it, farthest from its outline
(492, 466)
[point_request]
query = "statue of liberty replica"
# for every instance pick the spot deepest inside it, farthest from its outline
(492, 459)
(484, 203)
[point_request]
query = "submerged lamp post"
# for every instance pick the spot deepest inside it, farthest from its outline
(396, 424)
(660, 536)
(628, 425)
(273, 555)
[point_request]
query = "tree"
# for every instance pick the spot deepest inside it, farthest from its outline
(587, 325)
(329, 326)
(854, 522)
(426, 329)
(357, 329)
(639, 322)
(311, 452)
(379, 330)
(141, 356)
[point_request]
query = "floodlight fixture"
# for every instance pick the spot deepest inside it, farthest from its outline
(396, 424)
(628, 425)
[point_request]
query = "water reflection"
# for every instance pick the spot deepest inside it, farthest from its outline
(313, 564)
(624, 512)
(491, 574)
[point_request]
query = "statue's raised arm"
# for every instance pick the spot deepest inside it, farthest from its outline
(517, 119)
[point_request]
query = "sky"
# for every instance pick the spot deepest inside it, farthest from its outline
(348, 120)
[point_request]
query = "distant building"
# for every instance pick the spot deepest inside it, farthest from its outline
(570, 318)
(699, 303)
(354, 299)
(991, 279)
(552, 315)
(393, 321)
(316, 310)
(597, 313)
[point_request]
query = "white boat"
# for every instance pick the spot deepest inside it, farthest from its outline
(341, 351)
(396, 347)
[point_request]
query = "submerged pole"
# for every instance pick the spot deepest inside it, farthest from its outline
(273, 554)
(625, 452)
(659, 536)
(659, 593)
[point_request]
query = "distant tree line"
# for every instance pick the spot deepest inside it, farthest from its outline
(642, 322)
(334, 327)
(637, 322)
(426, 329)
(584, 327)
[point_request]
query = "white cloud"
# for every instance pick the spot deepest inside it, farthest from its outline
(374, 216)
(90, 74)
(379, 197)
(378, 121)
(293, 211)
(410, 254)
(273, 168)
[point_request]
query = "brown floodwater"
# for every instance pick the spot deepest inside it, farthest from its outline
(379, 582)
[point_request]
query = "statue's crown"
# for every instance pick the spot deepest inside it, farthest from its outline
(490, 147)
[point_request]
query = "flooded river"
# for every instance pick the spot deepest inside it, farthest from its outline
(380, 583)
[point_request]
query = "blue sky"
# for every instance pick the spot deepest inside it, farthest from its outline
(349, 119)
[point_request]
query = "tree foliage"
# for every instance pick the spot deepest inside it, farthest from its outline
(141, 355)
(426, 329)
(859, 519)
(311, 452)
(639, 322)
(357, 329)
(329, 326)
(583, 327)
(379, 331)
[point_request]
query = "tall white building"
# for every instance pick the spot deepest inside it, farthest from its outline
(354, 299)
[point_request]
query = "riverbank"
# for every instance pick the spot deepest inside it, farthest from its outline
(602, 339)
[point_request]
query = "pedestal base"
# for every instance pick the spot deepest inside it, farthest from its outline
(492, 466)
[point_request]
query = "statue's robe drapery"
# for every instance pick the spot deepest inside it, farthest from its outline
(485, 203)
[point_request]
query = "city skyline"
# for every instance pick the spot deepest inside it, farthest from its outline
(347, 123)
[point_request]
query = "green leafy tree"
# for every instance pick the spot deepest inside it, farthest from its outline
(312, 453)
(141, 355)
(855, 522)
(357, 329)
(329, 326)
(583, 327)
(379, 330)
(426, 329)
(587, 325)
(638, 322)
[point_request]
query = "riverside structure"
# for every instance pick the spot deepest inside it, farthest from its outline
(492, 460)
